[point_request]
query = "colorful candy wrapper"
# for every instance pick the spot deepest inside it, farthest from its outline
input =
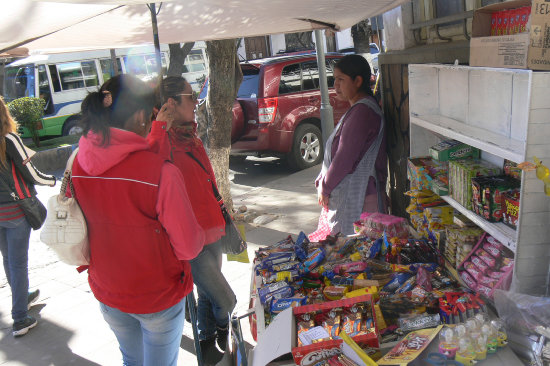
(278, 305)
(313, 260)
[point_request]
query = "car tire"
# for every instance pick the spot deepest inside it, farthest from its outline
(72, 126)
(307, 147)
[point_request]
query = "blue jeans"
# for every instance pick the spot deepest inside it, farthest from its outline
(147, 339)
(14, 245)
(216, 298)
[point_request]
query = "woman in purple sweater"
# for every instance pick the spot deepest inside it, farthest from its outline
(354, 172)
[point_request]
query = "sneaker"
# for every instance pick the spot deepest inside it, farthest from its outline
(22, 327)
(32, 298)
(221, 338)
(210, 354)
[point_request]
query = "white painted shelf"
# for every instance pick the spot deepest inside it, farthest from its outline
(491, 142)
(505, 234)
(506, 114)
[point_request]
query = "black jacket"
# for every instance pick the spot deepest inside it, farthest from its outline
(20, 172)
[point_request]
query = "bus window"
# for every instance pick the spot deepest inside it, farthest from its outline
(90, 73)
(55, 79)
(75, 75)
(24, 82)
(71, 75)
(107, 70)
(135, 65)
(44, 91)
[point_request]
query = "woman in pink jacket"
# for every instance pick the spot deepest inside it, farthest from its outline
(141, 226)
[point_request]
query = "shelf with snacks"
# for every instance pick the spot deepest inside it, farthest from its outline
(505, 113)
(505, 234)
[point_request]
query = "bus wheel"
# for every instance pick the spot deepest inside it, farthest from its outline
(72, 127)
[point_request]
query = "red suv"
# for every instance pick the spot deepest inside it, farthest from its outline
(277, 110)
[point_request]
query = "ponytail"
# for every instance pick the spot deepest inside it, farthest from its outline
(116, 102)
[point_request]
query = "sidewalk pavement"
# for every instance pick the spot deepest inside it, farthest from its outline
(71, 330)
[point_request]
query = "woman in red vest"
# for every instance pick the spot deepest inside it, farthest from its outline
(141, 226)
(182, 146)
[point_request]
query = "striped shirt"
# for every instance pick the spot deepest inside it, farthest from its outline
(10, 211)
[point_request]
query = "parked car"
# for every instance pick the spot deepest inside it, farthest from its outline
(277, 110)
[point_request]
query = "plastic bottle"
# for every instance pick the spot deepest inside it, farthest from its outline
(465, 354)
(502, 336)
(492, 338)
(448, 343)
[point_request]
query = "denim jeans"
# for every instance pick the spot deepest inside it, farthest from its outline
(147, 339)
(215, 297)
(14, 245)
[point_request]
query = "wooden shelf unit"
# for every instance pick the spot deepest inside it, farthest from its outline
(506, 114)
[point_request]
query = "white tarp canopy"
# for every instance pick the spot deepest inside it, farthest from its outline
(70, 25)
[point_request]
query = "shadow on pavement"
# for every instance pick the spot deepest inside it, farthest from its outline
(45, 344)
(256, 172)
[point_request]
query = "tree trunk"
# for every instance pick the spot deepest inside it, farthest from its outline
(225, 76)
(177, 58)
(361, 33)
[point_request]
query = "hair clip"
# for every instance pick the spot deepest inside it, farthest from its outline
(107, 99)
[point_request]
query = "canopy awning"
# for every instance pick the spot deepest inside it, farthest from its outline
(58, 27)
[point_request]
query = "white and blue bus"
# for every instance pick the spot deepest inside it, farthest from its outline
(63, 80)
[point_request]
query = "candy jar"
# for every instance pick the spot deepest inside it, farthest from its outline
(465, 353)
(480, 346)
(448, 343)
(492, 338)
(502, 336)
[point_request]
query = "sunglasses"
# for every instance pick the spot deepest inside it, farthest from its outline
(194, 95)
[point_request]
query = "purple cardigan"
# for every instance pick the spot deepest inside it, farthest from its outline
(359, 130)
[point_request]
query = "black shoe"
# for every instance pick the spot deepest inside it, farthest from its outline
(22, 327)
(210, 354)
(32, 298)
(221, 338)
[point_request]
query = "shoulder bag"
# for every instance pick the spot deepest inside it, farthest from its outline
(34, 210)
(65, 230)
(232, 242)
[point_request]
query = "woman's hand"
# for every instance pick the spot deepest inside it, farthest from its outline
(167, 113)
(323, 199)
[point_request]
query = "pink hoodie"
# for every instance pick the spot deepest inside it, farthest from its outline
(173, 207)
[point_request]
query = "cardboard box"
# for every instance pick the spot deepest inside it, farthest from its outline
(453, 150)
(530, 49)
(280, 337)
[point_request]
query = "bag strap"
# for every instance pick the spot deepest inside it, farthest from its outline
(67, 175)
(214, 188)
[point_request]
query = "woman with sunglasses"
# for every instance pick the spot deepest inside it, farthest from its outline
(182, 146)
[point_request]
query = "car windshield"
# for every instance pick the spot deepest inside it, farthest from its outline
(248, 88)
(19, 82)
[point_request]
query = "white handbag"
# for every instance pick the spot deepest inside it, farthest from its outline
(65, 230)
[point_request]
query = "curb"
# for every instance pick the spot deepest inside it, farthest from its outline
(53, 160)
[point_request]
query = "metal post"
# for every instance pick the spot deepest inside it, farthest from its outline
(327, 119)
(153, 11)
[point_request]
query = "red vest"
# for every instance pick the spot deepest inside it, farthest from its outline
(198, 182)
(132, 265)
